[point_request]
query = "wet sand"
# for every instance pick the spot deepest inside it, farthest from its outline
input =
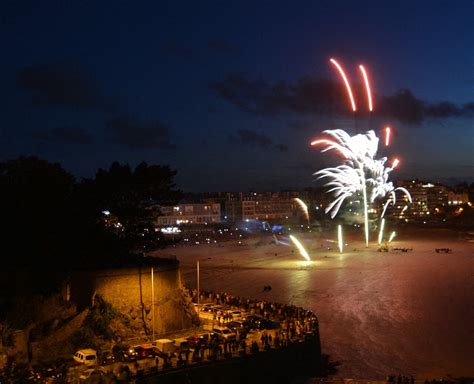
(380, 313)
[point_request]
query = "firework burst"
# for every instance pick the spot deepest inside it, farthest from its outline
(360, 172)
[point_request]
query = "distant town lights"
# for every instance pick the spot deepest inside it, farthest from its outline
(170, 230)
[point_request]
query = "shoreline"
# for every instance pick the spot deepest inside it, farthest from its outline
(380, 313)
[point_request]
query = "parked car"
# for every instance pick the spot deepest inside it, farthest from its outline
(206, 308)
(124, 353)
(208, 337)
(236, 314)
(181, 344)
(252, 321)
(224, 333)
(106, 358)
(196, 341)
(235, 325)
(92, 375)
(238, 327)
(217, 308)
(86, 356)
(267, 324)
(144, 351)
(205, 311)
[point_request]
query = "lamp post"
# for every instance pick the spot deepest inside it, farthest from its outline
(197, 271)
(152, 304)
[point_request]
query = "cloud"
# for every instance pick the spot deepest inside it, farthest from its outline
(282, 147)
(65, 134)
(309, 95)
(260, 97)
(60, 85)
(301, 167)
(298, 125)
(179, 50)
(137, 135)
(221, 46)
(248, 137)
(405, 107)
(72, 135)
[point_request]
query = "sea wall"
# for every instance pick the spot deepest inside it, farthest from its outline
(130, 291)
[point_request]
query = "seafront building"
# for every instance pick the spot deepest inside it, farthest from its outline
(192, 213)
(428, 201)
(264, 206)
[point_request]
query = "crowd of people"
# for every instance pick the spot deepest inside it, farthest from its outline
(294, 321)
(400, 379)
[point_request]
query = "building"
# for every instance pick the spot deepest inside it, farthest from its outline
(264, 206)
(427, 199)
(457, 198)
(181, 214)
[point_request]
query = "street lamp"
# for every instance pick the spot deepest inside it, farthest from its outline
(152, 304)
(197, 271)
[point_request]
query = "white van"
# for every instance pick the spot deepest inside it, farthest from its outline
(164, 346)
(86, 356)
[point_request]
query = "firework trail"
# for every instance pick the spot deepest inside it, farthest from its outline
(304, 207)
(367, 87)
(346, 82)
(339, 238)
(387, 136)
(300, 247)
(360, 172)
(382, 225)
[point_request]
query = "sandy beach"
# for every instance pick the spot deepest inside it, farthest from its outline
(380, 313)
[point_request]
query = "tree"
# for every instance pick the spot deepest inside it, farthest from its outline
(34, 210)
(132, 197)
(51, 224)
(33, 201)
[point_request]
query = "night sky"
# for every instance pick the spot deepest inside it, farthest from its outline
(230, 93)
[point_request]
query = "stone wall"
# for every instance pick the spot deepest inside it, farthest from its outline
(129, 290)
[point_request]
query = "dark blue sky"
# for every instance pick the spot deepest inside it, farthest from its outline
(231, 93)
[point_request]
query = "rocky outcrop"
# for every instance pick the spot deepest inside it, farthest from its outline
(58, 342)
(162, 306)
